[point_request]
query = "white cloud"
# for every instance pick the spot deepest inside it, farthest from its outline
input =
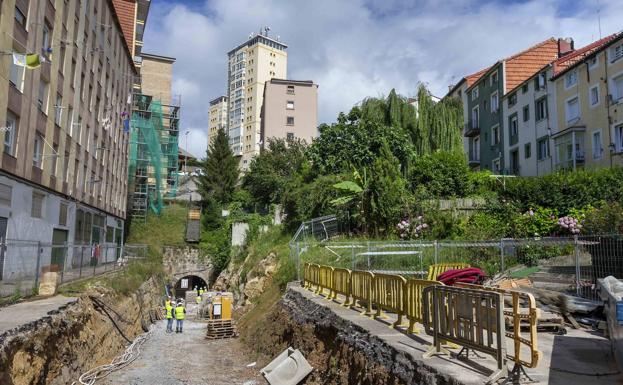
(358, 48)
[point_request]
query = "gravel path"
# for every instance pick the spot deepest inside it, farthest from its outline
(187, 358)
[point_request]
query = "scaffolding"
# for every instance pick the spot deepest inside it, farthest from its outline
(153, 165)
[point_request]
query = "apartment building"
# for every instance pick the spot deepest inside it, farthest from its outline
(289, 110)
(589, 90)
(132, 15)
(250, 65)
(485, 127)
(63, 169)
(217, 116)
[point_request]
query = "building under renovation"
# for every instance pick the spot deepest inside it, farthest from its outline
(154, 137)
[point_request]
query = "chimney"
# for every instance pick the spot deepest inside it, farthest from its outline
(565, 46)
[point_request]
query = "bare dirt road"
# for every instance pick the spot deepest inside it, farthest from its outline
(187, 358)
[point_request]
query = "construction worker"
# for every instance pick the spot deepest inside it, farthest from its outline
(198, 299)
(180, 312)
(168, 307)
(196, 289)
(200, 291)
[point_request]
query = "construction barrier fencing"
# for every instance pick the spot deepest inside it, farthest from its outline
(340, 284)
(439, 268)
(388, 294)
(325, 278)
(467, 317)
(523, 315)
(361, 289)
(413, 301)
(312, 275)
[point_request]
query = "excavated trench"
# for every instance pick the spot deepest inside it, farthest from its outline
(89, 332)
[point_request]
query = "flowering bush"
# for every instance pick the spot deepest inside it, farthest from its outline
(411, 228)
(536, 222)
(570, 225)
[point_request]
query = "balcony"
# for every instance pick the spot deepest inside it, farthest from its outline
(579, 156)
(471, 129)
(474, 160)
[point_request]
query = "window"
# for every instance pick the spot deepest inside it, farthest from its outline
(10, 133)
(496, 166)
(526, 113)
(495, 134)
(527, 150)
(571, 79)
(36, 210)
(58, 109)
(290, 120)
(38, 151)
(290, 136)
(45, 43)
(493, 79)
(475, 117)
(6, 193)
(616, 52)
(593, 62)
(42, 98)
(17, 75)
(572, 109)
(597, 149)
(475, 93)
(494, 102)
(20, 18)
(54, 159)
(618, 137)
(617, 88)
(593, 94)
(540, 109)
(542, 148)
(524, 88)
(290, 105)
(513, 128)
(66, 168)
(512, 99)
(62, 214)
(539, 81)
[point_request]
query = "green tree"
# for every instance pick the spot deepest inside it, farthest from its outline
(220, 171)
(272, 170)
(440, 175)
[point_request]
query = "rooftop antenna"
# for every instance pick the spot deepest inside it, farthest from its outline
(599, 18)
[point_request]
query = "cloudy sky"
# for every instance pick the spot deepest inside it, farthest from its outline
(359, 48)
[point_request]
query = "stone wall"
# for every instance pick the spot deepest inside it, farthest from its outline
(183, 261)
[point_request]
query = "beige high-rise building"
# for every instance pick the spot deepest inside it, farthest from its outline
(290, 110)
(218, 116)
(251, 64)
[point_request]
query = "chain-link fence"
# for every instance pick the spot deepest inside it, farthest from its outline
(23, 263)
(570, 264)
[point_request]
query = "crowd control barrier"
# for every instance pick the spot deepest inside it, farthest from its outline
(388, 294)
(361, 289)
(340, 284)
(312, 275)
(325, 278)
(467, 317)
(413, 301)
(524, 314)
(435, 270)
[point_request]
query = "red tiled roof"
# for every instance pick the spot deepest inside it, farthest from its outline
(523, 65)
(566, 62)
(473, 78)
(126, 10)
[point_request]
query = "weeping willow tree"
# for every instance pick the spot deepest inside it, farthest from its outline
(431, 126)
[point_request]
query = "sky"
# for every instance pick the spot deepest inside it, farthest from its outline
(355, 49)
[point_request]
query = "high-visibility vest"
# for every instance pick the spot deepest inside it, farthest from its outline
(198, 299)
(169, 309)
(179, 312)
(200, 291)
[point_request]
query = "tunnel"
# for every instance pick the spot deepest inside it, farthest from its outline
(188, 282)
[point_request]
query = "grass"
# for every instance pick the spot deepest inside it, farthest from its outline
(167, 229)
(272, 241)
(523, 273)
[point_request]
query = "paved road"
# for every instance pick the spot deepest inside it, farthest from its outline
(25, 312)
(188, 358)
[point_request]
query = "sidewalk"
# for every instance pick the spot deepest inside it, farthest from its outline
(24, 313)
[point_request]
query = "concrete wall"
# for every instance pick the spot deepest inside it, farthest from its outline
(239, 232)
(156, 77)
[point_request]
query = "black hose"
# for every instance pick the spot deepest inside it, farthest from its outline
(98, 304)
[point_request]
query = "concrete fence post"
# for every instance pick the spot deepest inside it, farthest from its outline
(502, 261)
(576, 246)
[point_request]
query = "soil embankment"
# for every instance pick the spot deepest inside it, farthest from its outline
(58, 348)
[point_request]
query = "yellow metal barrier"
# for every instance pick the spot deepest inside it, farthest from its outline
(306, 275)
(325, 279)
(341, 284)
(524, 313)
(413, 301)
(388, 294)
(436, 269)
(313, 274)
(361, 289)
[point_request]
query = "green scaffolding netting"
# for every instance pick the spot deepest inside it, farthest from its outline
(152, 169)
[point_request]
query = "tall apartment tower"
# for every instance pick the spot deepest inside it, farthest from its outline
(251, 65)
(218, 116)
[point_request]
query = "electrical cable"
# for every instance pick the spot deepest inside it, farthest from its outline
(112, 320)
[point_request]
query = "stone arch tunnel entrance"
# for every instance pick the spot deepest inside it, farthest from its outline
(188, 282)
